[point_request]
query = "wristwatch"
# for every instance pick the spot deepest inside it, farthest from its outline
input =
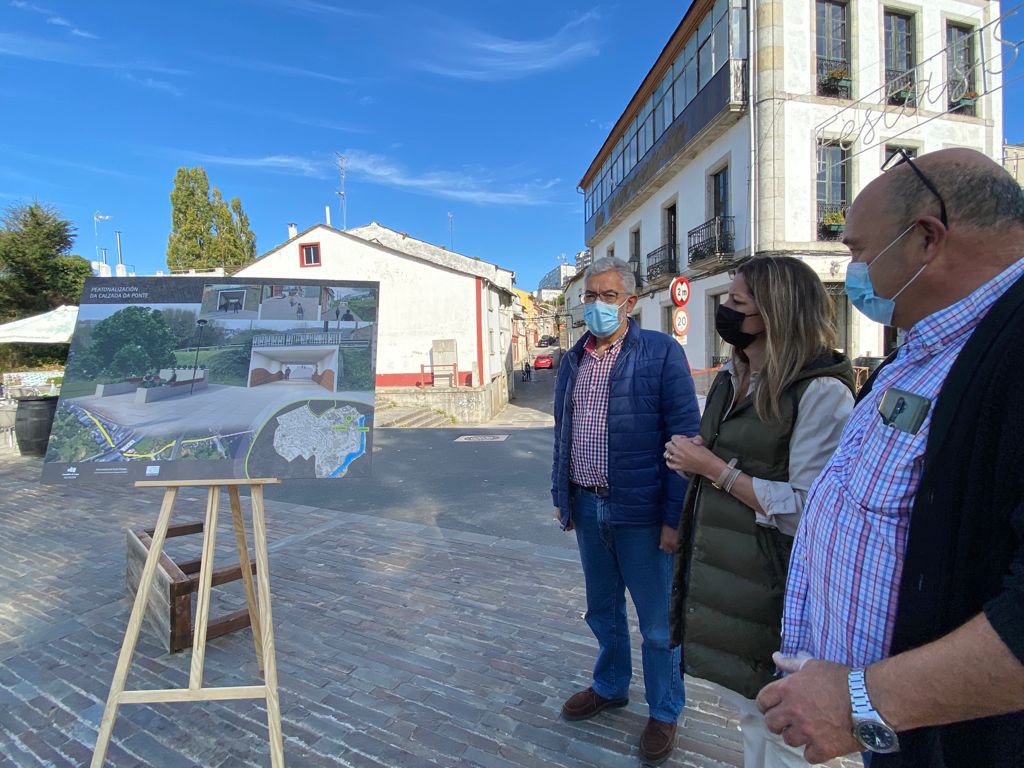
(870, 729)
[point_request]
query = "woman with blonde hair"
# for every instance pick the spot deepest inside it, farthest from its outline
(773, 418)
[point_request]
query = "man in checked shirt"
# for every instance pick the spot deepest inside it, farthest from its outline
(620, 395)
(906, 581)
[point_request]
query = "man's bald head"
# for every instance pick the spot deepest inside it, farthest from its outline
(977, 191)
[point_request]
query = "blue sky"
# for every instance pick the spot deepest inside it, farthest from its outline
(489, 110)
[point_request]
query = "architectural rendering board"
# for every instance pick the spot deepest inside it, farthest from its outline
(193, 378)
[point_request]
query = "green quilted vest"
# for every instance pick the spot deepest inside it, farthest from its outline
(730, 573)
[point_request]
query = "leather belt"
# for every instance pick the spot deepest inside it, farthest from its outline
(594, 489)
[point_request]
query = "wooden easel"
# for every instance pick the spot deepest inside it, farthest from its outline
(258, 602)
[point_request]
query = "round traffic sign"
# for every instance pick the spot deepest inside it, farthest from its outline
(680, 321)
(680, 291)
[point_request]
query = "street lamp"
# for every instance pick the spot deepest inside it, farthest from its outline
(96, 219)
(195, 365)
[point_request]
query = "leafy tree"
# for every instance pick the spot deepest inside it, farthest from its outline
(130, 360)
(207, 231)
(130, 328)
(37, 271)
(191, 220)
(182, 323)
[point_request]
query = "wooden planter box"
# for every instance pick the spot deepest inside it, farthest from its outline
(169, 608)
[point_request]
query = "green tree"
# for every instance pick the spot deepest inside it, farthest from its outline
(130, 360)
(191, 220)
(37, 271)
(207, 231)
(182, 323)
(131, 328)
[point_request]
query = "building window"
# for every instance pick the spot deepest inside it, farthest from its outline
(832, 32)
(720, 206)
(610, 253)
(720, 350)
(634, 245)
(900, 77)
(309, 255)
(960, 69)
(720, 36)
(892, 149)
(840, 314)
(666, 320)
(833, 189)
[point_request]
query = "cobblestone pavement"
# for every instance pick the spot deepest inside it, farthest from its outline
(399, 644)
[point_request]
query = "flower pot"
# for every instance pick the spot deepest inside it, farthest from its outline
(32, 423)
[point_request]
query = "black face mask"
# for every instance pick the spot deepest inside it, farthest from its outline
(728, 322)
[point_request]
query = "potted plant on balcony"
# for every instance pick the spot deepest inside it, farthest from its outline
(967, 100)
(833, 222)
(838, 77)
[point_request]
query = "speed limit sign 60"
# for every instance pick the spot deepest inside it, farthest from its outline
(680, 291)
(680, 321)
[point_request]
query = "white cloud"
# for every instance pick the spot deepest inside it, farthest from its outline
(315, 122)
(320, 8)
(39, 49)
(472, 186)
(258, 65)
(466, 53)
(291, 164)
(149, 82)
(54, 19)
(467, 185)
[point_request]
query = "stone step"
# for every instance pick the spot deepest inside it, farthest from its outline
(411, 418)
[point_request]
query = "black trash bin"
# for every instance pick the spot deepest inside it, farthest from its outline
(32, 424)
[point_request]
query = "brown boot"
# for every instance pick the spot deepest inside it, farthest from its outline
(657, 741)
(584, 704)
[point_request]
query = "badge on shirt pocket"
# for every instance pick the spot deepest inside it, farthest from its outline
(903, 410)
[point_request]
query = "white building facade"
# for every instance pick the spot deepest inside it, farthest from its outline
(838, 85)
(434, 305)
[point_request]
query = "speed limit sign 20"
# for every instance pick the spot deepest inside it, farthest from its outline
(680, 321)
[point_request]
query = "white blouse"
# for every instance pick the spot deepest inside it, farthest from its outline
(824, 408)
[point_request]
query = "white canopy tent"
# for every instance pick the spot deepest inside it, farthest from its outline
(54, 327)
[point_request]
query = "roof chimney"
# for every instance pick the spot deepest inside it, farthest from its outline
(292, 231)
(327, 214)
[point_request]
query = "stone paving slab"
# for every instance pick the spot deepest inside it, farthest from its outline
(399, 644)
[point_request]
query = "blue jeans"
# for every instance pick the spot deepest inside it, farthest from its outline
(616, 558)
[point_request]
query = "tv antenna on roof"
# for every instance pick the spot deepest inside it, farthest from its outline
(340, 160)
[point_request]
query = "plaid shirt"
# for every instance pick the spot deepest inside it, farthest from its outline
(589, 459)
(847, 561)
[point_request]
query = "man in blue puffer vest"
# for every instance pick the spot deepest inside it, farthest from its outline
(621, 394)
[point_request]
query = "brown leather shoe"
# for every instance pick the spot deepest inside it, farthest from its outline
(657, 741)
(584, 704)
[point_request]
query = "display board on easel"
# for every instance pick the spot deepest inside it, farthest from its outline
(178, 383)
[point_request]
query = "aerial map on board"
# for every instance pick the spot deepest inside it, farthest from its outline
(184, 378)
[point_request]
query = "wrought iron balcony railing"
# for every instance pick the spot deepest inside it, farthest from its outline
(713, 238)
(901, 87)
(831, 220)
(834, 78)
(662, 261)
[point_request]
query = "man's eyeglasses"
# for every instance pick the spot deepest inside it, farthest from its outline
(608, 297)
(901, 156)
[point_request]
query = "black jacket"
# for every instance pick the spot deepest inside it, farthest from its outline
(965, 551)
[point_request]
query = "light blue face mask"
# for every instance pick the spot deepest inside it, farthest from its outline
(602, 319)
(862, 292)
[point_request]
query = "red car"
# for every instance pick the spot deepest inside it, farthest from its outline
(544, 361)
